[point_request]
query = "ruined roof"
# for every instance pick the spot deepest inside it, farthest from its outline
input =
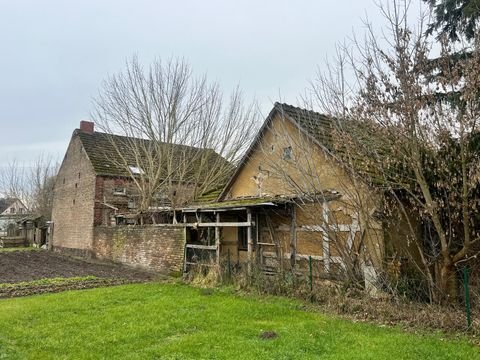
(239, 203)
(267, 200)
(209, 196)
(111, 155)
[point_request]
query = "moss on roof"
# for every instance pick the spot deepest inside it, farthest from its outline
(112, 154)
(241, 202)
(209, 196)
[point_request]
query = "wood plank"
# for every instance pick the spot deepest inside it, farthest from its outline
(326, 241)
(249, 240)
(293, 236)
(217, 238)
(203, 247)
(224, 224)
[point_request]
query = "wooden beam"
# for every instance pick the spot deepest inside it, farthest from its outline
(185, 242)
(203, 247)
(224, 224)
(326, 240)
(293, 236)
(213, 210)
(217, 238)
(249, 240)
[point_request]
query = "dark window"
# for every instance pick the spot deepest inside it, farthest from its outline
(287, 153)
(119, 190)
(242, 238)
(76, 185)
(73, 201)
(64, 180)
(79, 175)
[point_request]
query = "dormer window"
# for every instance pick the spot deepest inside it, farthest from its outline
(136, 170)
(287, 153)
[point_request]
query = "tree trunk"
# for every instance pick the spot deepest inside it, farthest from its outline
(448, 284)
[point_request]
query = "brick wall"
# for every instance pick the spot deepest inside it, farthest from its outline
(106, 187)
(109, 191)
(73, 202)
(159, 248)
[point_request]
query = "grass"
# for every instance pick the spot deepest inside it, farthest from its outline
(174, 321)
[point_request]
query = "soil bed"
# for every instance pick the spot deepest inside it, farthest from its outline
(29, 266)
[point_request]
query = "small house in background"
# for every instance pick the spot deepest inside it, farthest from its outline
(11, 210)
(34, 230)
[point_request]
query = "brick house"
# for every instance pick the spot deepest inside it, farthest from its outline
(93, 190)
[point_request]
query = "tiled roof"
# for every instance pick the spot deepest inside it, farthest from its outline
(317, 125)
(210, 195)
(111, 154)
(324, 130)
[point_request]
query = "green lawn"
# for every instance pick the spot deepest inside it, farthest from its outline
(173, 321)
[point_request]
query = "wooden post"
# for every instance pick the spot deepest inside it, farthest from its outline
(185, 245)
(217, 238)
(257, 236)
(326, 240)
(293, 236)
(249, 240)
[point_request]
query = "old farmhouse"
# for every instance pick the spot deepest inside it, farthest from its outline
(289, 201)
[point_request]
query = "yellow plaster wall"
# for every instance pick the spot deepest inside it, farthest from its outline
(310, 169)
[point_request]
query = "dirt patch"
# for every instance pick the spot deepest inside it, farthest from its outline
(26, 289)
(268, 335)
(21, 266)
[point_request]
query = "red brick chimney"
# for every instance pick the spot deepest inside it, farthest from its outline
(87, 126)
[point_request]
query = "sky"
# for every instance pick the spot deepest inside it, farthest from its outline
(54, 55)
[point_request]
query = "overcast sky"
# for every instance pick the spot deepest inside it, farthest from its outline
(55, 54)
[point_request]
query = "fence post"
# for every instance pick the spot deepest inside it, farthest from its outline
(310, 272)
(467, 297)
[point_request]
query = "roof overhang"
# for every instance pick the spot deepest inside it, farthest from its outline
(236, 205)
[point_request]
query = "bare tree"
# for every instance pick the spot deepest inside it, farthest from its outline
(182, 137)
(332, 203)
(415, 136)
(31, 183)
